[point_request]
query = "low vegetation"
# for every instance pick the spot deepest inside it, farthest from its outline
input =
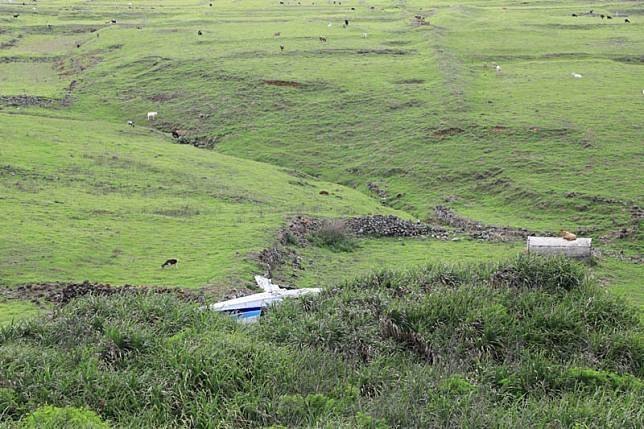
(523, 343)
(334, 235)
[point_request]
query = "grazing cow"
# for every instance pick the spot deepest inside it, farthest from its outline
(278, 34)
(210, 5)
(170, 263)
(282, 48)
(323, 192)
(114, 21)
(602, 16)
(626, 20)
(199, 33)
(16, 15)
(353, 8)
(78, 45)
(498, 68)
(574, 14)
(130, 123)
(346, 22)
(576, 75)
(609, 17)
(322, 39)
(152, 116)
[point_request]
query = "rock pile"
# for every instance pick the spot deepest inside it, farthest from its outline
(373, 187)
(298, 229)
(392, 226)
(274, 257)
(479, 230)
(207, 142)
(28, 100)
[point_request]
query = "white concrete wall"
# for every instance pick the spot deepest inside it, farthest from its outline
(553, 246)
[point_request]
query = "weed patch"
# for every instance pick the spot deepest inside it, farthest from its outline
(433, 347)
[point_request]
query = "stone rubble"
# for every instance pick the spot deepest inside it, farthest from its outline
(479, 230)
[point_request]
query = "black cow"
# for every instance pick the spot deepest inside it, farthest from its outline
(170, 263)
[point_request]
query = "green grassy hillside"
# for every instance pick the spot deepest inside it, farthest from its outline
(109, 202)
(412, 106)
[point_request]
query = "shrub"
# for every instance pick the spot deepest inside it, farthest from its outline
(334, 235)
(9, 403)
(49, 417)
(456, 385)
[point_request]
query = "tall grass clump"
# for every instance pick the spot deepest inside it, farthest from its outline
(439, 346)
(334, 235)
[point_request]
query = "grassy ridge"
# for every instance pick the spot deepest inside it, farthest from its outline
(406, 349)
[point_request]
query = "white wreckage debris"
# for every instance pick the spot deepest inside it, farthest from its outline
(249, 308)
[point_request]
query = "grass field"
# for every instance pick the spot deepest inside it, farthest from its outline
(269, 110)
(418, 110)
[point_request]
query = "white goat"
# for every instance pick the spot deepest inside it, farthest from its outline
(576, 75)
(152, 116)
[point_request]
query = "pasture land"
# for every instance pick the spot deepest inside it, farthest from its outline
(391, 115)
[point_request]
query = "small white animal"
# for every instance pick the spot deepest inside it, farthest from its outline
(364, 35)
(576, 75)
(152, 116)
(330, 25)
(130, 123)
(498, 68)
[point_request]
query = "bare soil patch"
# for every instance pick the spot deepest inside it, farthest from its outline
(288, 83)
(9, 44)
(62, 293)
(447, 132)
(410, 81)
(631, 59)
(164, 96)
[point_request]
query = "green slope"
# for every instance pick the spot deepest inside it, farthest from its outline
(416, 109)
(94, 200)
